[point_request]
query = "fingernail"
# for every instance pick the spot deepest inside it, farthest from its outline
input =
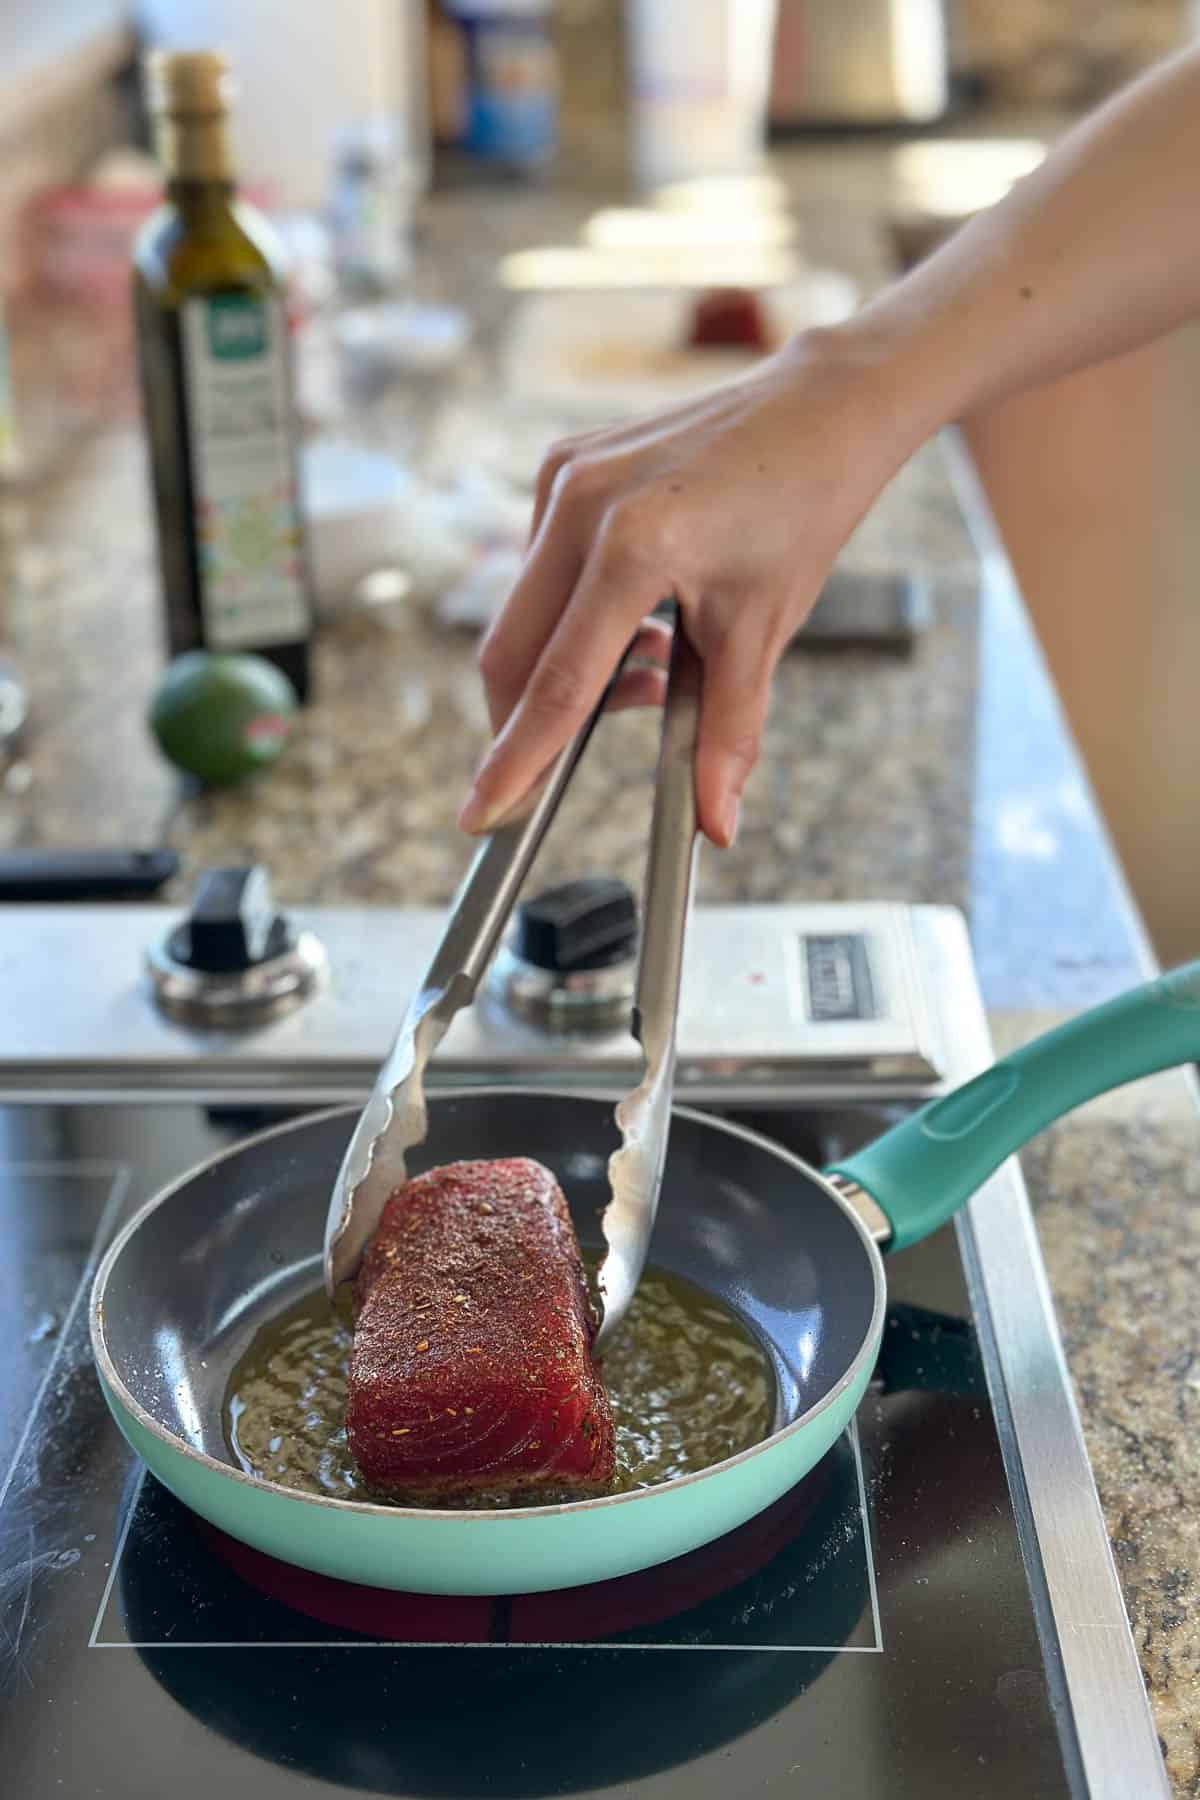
(479, 817)
(730, 819)
(474, 815)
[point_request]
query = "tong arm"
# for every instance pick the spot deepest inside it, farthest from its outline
(643, 1118)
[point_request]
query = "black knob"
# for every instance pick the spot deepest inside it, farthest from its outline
(587, 924)
(233, 924)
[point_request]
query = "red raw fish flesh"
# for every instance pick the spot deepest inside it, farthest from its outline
(471, 1372)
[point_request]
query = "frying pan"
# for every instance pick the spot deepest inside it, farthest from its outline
(191, 1279)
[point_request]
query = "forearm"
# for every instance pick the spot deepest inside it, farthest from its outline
(1094, 253)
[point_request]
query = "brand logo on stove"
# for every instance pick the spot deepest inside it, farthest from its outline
(839, 979)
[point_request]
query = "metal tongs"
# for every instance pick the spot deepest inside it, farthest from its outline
(395, 1118)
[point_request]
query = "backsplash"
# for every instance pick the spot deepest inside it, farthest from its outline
(1066, 53)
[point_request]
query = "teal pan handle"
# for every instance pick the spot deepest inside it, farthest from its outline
(922, 1170)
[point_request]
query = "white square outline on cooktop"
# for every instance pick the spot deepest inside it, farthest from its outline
(119, 1177)
(96, 1642)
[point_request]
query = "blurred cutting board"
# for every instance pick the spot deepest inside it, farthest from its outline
(596, 356)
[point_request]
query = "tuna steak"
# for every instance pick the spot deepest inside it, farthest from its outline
(471, 1373)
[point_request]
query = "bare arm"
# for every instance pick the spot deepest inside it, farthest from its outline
(739, 502)
(1095, 252)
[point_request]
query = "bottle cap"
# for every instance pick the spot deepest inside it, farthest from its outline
(195, 83)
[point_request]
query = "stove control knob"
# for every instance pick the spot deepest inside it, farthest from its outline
(233, 925)
(583, 925)
(570, 963)
(234, 960)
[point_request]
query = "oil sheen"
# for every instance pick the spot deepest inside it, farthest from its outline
(688, 1383)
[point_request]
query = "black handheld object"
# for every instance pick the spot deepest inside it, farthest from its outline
(40, 875)
(867, 609)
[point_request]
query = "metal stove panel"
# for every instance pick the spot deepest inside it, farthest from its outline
(765, 1006)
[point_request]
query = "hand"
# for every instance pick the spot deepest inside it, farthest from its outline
(736, 504)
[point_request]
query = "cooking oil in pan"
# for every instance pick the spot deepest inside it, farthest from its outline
(688, 1383)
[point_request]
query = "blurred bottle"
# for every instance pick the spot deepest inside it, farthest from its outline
(860, 64)
(373, 210)
(215, 360)
(447, 77)
(511, 80)
(699, 78)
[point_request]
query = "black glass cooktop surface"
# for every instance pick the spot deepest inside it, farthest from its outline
(873, 1634)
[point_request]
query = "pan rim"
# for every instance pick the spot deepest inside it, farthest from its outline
(119, 1390)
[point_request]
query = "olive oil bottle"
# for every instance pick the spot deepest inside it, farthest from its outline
(213, 351)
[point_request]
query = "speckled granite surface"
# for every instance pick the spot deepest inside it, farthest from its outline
(1116, 1197)
(363, 807)
(947, 778)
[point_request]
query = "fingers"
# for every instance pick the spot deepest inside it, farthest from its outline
(617, 589)
(554, 462)
(513, 643)
(571, 507)
(652, 643)
(643, 681)
(638, 687)
(621, 440)
(733, 711)
(580, 481)
(510, 650)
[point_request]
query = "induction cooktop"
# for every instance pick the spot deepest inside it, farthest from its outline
(875, 1633)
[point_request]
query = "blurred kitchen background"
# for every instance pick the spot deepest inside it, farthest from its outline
(498, 219)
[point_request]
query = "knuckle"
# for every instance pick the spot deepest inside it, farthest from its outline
(576, 480)
(556, 458)
(492, 658)
(559, 452)
(637, 531)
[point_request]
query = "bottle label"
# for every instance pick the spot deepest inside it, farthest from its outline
(252, 586)
(514, 100)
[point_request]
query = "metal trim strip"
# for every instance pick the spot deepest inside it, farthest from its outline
(1106, 1725)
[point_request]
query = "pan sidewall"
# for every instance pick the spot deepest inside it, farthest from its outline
(497, 1553)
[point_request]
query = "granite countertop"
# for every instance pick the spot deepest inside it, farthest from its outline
(947, 777)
